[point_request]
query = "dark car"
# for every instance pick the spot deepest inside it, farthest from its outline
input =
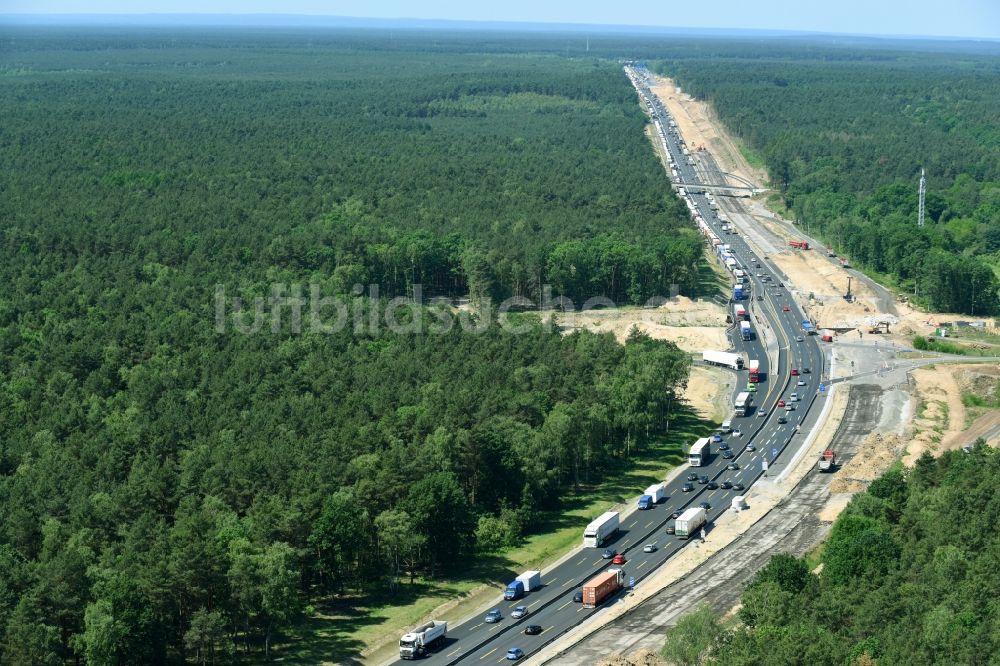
(712, 485)
(759, 297)
(669, 529)
(578, 596)
(702, 480)
(675, 515)
(726, 485)
(723, 447)
(687, 487)
(535, 629)
(805, 371)
(692, 477)
(609, 553)
(727, 454)
(738, 486)
(782, 419)
(705, 505)
(733, 465)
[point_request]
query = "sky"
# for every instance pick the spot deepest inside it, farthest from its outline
(953, 18)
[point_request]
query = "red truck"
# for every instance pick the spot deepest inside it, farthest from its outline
(801, 245)
(602, 586)
(827, 460)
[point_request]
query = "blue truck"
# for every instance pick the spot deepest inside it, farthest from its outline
(523, 584)
(738, 292)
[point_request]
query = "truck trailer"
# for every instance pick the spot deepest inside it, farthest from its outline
(745, 331)
(422, 640)
(727, 359)
(652, 496)
(602, 586)
(689, 522)
(754, 367)
(741, 313)
(600, 530)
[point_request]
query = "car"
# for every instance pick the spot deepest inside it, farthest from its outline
(619, 559)
(737, 486)
(785, 308)
(795, 372)
(751, 447)
(687, 487)
(781, 403)
(805, 371)
(759, 297)
(534, 629)
(702, 480)
(670, 529)
(520, 611)
(798, 338)
(760, 275)
(609, 553)
(782, 419)
(716, 438)
(789, 408)
(578, 597)
(733, 465)
(705, 505)
(712, 485)
(738, 432)
(781, 284)
(675, 514)
(801, 382)
(494, 616)
(726, 485)
(762, 413)
(723, 447)
(514, 654)
(727, 454)
(649, 548)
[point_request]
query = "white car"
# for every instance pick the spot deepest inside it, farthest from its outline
(802, 382)
(520, 611)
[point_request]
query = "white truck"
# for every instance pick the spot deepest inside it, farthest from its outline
(689, 522)
(422, 640)
(727, 359)
(532, 580)
(600, 530)
(652, 496)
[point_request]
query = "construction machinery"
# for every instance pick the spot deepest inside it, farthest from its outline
(849, 297)
(879, 327)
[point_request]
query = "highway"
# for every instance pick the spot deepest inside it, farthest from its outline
(552, 606)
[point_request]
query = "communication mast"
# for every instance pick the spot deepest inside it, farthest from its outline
(920, 206)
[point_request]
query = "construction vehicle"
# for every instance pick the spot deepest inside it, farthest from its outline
(800, 245)
(830, 252)
(844, 263)
(879, 327)
(827, 460)
(849, 297)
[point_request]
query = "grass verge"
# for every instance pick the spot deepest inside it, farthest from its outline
(341, 629)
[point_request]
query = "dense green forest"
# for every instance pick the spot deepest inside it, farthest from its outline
(908, 577)
(166, 487)
(844, 135)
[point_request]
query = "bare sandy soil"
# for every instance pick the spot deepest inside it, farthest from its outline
(637, 658)
(693, 325)
(708, 392)
(699, 125)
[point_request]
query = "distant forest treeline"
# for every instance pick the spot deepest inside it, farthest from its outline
(844, 137)
(166, 489)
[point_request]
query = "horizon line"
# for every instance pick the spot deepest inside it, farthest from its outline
(205, 18)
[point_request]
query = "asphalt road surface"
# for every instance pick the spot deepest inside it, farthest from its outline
(552, 606)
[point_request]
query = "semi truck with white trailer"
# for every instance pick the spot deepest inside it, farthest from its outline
(601, 529)
(745, 331)
(422, 640)
(727, 359)
(689, 522)
(698, 456)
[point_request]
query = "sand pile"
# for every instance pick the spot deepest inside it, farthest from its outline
(877, 452)
(639, 658)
